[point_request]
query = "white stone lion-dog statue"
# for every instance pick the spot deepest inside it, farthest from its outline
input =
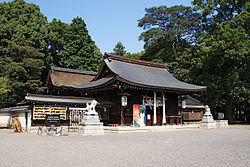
(90, 109)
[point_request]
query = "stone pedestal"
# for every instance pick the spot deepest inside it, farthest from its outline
(211, 124)
(222, 123)
(207, 119)
(91, 129)
(91, 125)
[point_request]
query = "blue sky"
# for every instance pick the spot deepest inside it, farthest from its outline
(108, 21)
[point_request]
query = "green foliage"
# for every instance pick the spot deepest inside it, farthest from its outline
(22, 22)
(23, 32)
(23, 68)
(55, 42)
(213, 39)
(222, 63)
(119, 49)
(169, 35)
(29, 45)
(137, 56)
(4, 91)
(218, 11)
(79, 50)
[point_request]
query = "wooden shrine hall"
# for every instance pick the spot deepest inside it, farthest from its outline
(142, 82)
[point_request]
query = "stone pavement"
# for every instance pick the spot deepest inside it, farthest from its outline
(128, 129)
(185, 147)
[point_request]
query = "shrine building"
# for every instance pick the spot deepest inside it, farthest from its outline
(120, 83)
(142, 82)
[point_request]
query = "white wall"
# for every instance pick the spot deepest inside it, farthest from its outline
(5, 119)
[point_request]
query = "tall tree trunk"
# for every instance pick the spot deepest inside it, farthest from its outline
(229, 115)
(175, 53)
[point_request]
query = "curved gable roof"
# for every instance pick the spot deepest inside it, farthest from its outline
(149, 76)
(138, 73)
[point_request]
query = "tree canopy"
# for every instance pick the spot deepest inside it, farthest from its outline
(218, 11)
(207, 45)
(4, 91)
(79, 50)
(29, 45)
(22, 41)
(222, 59)
(169, 35)
(119, 49)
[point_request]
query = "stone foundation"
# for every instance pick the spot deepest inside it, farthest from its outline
(91, 129)
(208, 125)
(222, 123)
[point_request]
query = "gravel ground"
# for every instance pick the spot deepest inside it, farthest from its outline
(189, 147)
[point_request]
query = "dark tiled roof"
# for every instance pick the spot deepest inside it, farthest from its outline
(138, 73)
(62, 99)
(57, 99)
(149, 76)
(72, 70)
(191, 100)
(15, 109)
(93, 84)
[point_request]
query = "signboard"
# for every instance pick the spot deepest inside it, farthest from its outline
(52, 120)
(124, 100)
(149, 101)
(139, 115)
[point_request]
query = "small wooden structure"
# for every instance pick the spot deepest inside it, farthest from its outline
(192, 110)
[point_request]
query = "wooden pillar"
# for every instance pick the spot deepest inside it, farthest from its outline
(163, 109)
(155, 119)
(122, 117)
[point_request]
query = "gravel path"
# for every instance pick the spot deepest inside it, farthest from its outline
(196, 147)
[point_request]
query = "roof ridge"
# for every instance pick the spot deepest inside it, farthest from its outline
(70, 70)
(134, 61)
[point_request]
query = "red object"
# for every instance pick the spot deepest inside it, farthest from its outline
(114, 125)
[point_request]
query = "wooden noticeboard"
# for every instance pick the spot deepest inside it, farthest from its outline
(40, 112)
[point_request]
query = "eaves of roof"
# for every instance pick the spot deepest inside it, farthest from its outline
(57, 99)
(15, 109)
(146, 76)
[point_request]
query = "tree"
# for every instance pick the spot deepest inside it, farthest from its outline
(134, 55)
(23, 32)
(169, 35)
(119, 49)
(55, 42)
(23, 67)
(4, 91)
(218, 11)
(29, 45)
(22, 22)
(222, 63)
(79, 51)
